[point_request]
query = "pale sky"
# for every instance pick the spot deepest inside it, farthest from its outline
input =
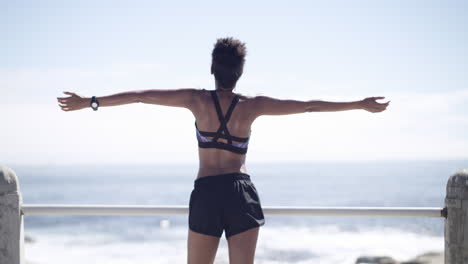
(415, 53)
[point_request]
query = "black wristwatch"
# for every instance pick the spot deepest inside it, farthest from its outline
(94, 103)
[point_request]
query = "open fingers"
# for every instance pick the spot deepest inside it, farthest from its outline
(64, 108)
(67, 108)
(381, 104)
(65, 102)
(379, 108)
(69, 93)
(65, 98)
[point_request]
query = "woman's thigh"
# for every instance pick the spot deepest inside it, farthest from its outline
(201, 248)
(242, 246)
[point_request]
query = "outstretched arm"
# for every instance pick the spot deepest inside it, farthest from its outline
(178, 98)
(265, 105)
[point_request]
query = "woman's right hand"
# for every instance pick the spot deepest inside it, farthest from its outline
(73, 102)
(369, 104)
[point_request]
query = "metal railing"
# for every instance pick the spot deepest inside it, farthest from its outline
(59, 209)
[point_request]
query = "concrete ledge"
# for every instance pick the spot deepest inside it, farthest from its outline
(456, 223)
(8, 180)
(11, 219)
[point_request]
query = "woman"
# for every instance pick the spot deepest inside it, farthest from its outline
(224, 197)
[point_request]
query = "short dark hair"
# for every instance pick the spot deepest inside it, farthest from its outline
(228, 58)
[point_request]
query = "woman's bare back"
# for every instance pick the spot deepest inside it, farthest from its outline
(214, 161)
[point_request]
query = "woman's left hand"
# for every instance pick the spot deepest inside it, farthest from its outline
(74, 102)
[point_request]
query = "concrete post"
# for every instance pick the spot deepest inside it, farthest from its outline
(11, 219)
(456, 223)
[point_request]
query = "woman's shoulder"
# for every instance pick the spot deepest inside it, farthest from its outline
(248, 98)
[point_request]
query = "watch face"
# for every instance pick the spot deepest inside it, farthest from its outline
(94, 104)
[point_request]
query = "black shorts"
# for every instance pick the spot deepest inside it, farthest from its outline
(224, 202)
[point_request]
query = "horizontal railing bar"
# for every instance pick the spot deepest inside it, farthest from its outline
(58, 209)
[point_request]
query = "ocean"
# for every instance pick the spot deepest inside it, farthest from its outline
(283, 239)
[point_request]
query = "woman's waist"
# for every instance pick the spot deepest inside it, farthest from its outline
(219, 180)
(211, 171)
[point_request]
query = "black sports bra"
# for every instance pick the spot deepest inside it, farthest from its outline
(223, 132)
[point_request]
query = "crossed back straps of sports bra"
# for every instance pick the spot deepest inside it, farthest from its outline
(222, 132)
